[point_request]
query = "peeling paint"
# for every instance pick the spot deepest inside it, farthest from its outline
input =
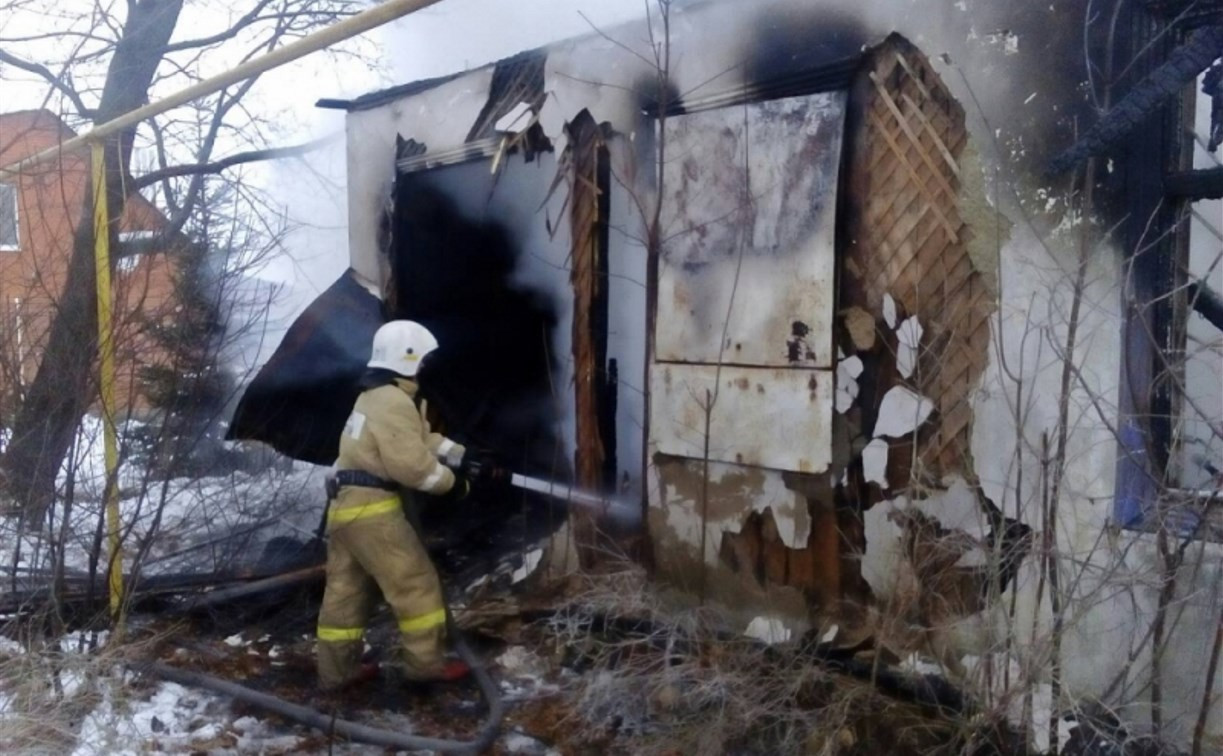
(845, 395)
(851, 366)
(901, 412)
(741, 594)
(734, 492)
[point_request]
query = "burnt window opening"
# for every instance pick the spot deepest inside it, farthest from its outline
(1170, 471)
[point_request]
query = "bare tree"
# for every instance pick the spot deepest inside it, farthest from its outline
(118, 55)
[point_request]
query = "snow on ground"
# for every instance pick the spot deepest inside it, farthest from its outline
(523, 675)
(173, 719)
(917, 665)
(121, 714)
(183, 511)
(517, 742)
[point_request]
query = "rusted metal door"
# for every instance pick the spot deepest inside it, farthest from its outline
(746, 284)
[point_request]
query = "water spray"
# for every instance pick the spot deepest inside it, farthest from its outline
(617, 510)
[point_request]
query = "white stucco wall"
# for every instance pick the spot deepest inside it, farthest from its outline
(439, 117)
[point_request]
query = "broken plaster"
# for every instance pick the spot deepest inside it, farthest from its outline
(848, 371)
(875, 462)
(734, 492)
(901, 412)
(861, 327)
(908, 338)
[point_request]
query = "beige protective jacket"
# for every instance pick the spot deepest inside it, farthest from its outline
(387, 436)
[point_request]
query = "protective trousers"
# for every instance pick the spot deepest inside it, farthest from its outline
(372, 548)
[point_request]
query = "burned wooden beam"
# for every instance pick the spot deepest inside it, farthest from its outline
(1206, 302)
(1205, 183)
(589, 180)
(1145, 98)
(1185, 8)
(214, 588)
(255, 588)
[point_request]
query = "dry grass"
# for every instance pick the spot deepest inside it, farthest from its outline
(49, 687)
(659, 679)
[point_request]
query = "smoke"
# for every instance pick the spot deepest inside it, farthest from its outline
(490, 375)
(461, 34)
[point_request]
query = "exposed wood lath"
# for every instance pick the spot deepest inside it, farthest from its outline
(587, 164)
(587, 207)
(907, 238)
(826, 569)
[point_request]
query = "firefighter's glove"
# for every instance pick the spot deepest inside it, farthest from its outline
(484, 471)
(460, 490)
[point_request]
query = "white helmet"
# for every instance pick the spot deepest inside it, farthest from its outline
(400, 345)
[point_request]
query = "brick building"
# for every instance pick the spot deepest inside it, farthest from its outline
(39, 213)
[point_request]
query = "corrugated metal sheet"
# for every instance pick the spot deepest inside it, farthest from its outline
(778, 418)
(748, 263)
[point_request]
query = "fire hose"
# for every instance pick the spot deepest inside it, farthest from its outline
(610, 508)
(356, 731)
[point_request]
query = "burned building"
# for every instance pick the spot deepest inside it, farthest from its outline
(879, 309)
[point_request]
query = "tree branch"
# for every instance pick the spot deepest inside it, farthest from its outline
(216, 166)
(58, 83)
(247, 19)
(167, 189)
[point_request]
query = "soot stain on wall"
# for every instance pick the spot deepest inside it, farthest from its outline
(795, 39)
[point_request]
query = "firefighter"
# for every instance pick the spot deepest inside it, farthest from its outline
(386, 444)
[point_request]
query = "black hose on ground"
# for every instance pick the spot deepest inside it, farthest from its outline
(352, 730)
